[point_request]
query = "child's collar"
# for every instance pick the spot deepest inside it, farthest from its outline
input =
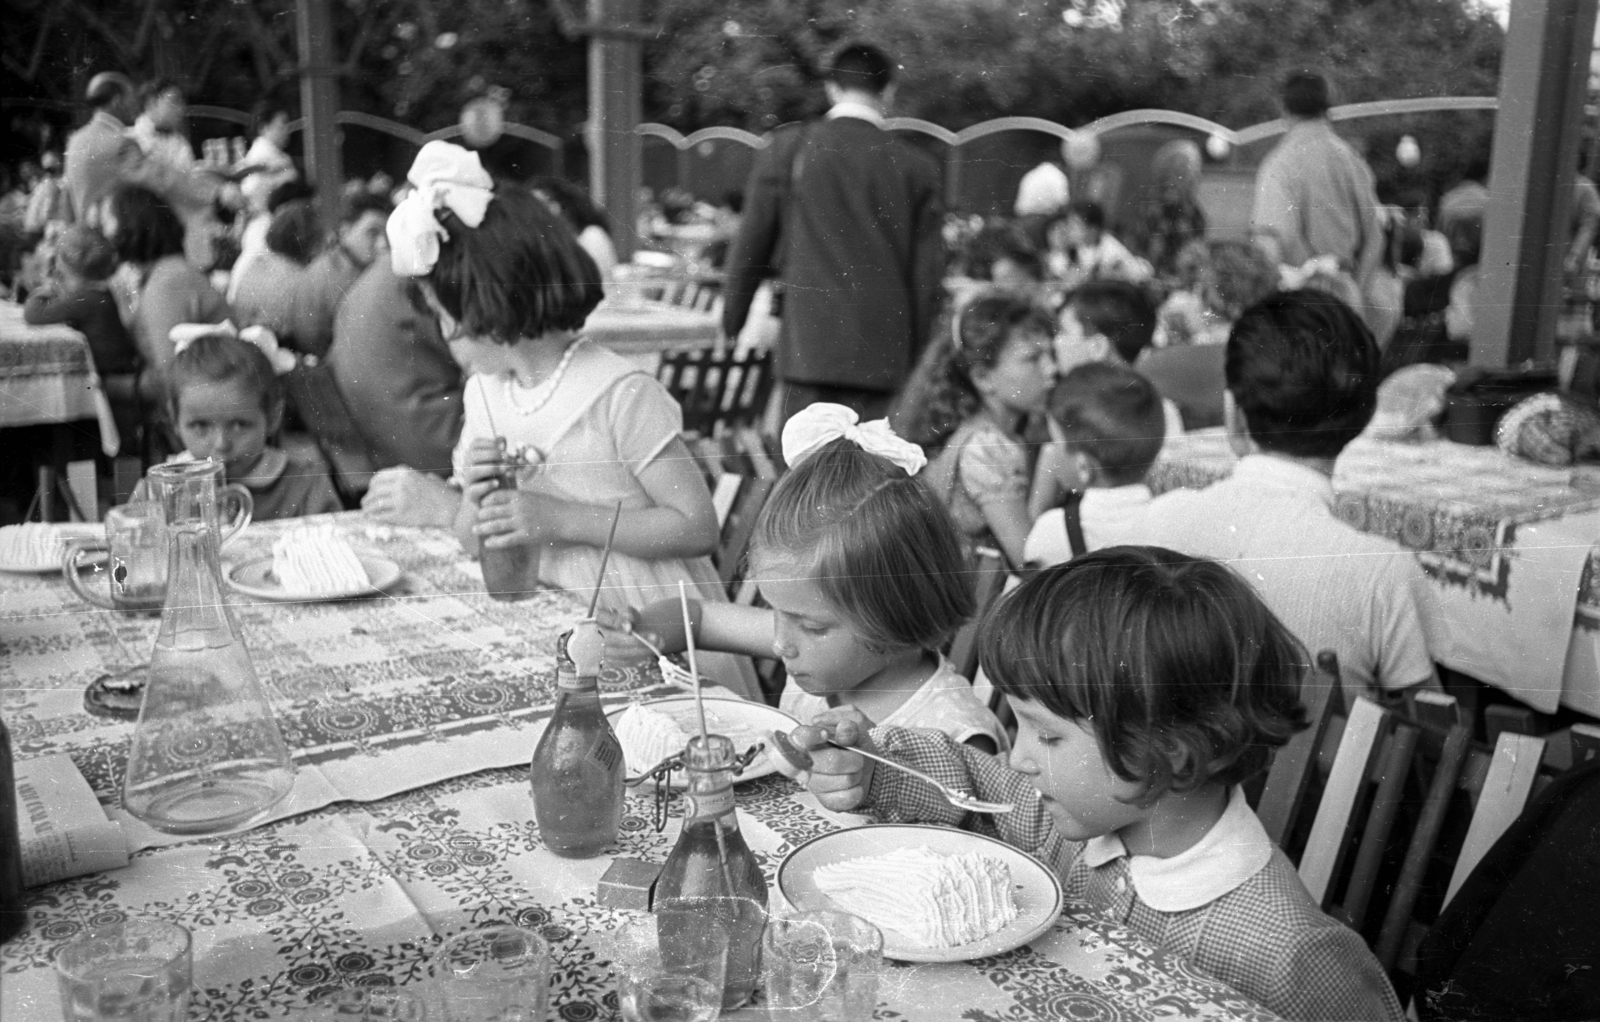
(1235, 849)
(267, 471)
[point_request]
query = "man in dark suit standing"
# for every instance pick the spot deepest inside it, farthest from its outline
(848, 220)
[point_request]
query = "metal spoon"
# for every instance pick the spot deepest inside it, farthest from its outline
(800, 759)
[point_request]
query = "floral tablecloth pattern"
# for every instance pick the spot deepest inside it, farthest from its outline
(44, 372)
(1509, 545)
(398, 693)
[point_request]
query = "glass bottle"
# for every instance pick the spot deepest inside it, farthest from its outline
(577, 767)
(711, 872)
(510, 573)
(13, 913)
(207, 754)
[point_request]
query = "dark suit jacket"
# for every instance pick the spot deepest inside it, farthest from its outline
(849, 220)
(401, 385)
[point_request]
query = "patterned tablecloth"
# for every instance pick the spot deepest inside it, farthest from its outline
(45, 372)
(1510, 547)
(360, 891)
(642, 330)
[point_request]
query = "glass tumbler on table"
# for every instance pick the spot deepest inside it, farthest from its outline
(137, 970)
(670, 974)
(494, 974)
(136, 545)
(822, 966)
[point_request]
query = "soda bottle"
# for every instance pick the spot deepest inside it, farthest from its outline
(711, 872)
(13, 915)
(577, 766)
(510, 573)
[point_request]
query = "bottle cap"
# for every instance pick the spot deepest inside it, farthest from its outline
(586, 646)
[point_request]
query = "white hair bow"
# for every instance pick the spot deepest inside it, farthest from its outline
(184, 334)
(442, 175)
(818, 425)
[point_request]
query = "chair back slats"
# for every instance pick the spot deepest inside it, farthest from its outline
(1395, 765)
(1397, 920)
(718, 392)
(989, 578)
(1342, 796)
(1289, 778)
(1505, 792)
(740, 527)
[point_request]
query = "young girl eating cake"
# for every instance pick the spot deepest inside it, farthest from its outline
(1147, 686)
(866, 580)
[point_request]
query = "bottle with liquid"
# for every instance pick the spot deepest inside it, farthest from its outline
(207, 754)
(711, 873)
(13, 913)
(510, 573)
(577, 767)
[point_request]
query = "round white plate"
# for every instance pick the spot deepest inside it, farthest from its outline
(1034, 885)
(67, 531)
(745, 723)
(255, 578)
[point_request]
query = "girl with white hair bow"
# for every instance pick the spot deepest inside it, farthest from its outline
(511, 289)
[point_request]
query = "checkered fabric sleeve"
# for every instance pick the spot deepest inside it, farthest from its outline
(896, 797)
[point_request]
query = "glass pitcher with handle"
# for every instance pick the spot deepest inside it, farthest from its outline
(207, 753)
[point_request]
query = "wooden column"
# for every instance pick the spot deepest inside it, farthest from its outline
(319, 103)
(615, 80)
(1544, 75)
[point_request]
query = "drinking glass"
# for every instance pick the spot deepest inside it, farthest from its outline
(679, 978)
(494, 974)
(822, 965)
(137, 970)
(136, 574)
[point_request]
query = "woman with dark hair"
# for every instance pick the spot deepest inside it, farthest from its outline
(587, 220)
(148, 236)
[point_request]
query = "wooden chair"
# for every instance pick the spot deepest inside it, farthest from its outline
(1289, 777)
(315, 395)
(989, 579)
(741, 477)
(1344, 797)
(718, 392)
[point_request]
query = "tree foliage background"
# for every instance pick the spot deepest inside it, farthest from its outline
(755, 63)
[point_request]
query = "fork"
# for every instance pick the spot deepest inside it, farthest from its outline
(801, 760)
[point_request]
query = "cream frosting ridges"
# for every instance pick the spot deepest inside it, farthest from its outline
(31, 544)
(313, 559)
(935, 900)
(648, 736)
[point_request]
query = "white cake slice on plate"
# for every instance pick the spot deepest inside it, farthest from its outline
(935, 900)
(314, 560)
(648, 736)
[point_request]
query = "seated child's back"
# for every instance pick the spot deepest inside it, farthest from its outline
(1302, 383)
(81, 298)
(1089, 490)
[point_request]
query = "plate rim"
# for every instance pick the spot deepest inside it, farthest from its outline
(377, 581)
(678, 785)
(958, 952)
(69, 531)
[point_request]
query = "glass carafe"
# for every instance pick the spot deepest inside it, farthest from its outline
(207, 754)
(711, 873)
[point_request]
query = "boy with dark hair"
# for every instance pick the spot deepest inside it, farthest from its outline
(1302, 377)
(1089, 490)
(1109, 321)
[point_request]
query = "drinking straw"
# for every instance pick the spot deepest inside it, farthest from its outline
(605, 556)
(694, 667)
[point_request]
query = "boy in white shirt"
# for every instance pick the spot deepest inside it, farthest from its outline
(1089, 490)
(1302, 377)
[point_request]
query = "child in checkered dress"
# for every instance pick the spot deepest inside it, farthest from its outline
(1147, 686)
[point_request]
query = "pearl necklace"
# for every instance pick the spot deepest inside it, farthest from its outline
(541, 394)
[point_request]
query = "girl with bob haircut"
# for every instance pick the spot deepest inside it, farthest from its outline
(1147, 685)
(865, 577)
(581, 428)
(970, 400)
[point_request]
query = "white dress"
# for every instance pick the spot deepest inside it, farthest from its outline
(945, 702)
(604, 424)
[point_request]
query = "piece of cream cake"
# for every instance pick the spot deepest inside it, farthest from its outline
(648, 736)
(314, 560)
(934, 900)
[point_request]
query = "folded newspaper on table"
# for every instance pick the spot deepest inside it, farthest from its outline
(63, 827)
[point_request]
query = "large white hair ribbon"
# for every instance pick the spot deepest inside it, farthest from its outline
(445, 175)
(818, 425)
